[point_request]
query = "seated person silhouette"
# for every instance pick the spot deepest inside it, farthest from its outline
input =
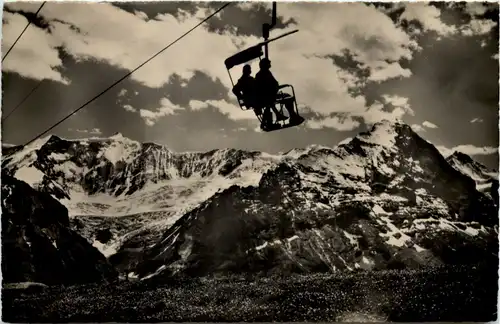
(267, 88)
(244, 89)
(246, 92)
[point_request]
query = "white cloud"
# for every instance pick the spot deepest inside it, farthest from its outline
(399, 102)
(474, 150)
(197, 105)
(93, 131)
(475, 8)
(444, 150)
(247, 5)
(476, 120)
(417, 128)
(226, 108)
(141, 15)
(325, 29)
(129, 108)
(420, 128)
(125, 45)
(468, 149)
(330, 28)
(336, 122)
(122, 93)
(428, 124)
(231, 110)
(478, 27)
(166, 108)
(376, 113)
(388, 71)
(393, 108)
(429, 16)
(35, 55)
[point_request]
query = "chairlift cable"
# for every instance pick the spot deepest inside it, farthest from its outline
(64, 54)
(128, 74)
(22, 101)
(29, 23)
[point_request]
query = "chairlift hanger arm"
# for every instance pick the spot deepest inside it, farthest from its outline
(266, 28)
(252, 52)
(256, 50)
(264, 43)
(244, 56)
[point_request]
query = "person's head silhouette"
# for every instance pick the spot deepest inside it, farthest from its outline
(265, 64)
(247, 70)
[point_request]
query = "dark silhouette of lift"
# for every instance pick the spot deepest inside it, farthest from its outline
(283, 97)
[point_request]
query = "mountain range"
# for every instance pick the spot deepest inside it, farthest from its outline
(385, 199)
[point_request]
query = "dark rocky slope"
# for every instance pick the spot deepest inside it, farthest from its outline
(39, 246)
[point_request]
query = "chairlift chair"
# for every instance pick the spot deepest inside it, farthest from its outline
(285, 92)
(283, 96)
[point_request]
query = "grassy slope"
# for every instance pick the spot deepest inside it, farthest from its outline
(459, 294)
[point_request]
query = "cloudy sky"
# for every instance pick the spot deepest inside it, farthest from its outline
(431, 65)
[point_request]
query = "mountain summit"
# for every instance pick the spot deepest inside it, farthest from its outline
(386, 198)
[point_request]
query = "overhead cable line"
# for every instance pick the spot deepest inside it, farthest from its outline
(22, 101)
(11, 47)
(29, 23)
(63, 55)
(128, 74)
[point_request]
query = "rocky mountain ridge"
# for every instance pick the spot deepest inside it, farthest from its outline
(386, 198)
(371, 203)
(486, 180)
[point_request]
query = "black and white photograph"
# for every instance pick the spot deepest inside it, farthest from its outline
(249, 161)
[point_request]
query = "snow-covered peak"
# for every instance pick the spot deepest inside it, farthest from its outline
(8, 145)
(27, 154)
(296, 153)
(38, 143)
(459, 156)
(118, 137)
(120, 149)
(473, 169)
(119, 167)
(383, 133)
(345, 141)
